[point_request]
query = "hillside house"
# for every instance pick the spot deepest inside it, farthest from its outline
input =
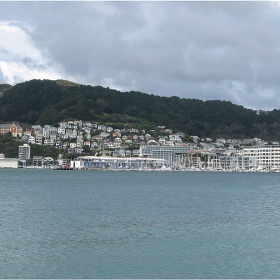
(175, 138)
(72, 145)
(117, 140)
(58, 144)
(104, 134)
(87, 143)
(168, 131)
(31, 140)
(48, 142)
(61, 130)
(117, 134)
(101, 127)
(13, 128)
(39, 140)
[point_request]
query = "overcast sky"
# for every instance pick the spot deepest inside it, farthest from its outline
(206, 50)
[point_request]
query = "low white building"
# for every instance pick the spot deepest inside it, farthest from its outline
(9, 163)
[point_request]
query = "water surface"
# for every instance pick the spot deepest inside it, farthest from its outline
(106, 224)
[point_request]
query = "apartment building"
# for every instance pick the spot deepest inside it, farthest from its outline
(266, 156)
(165, 152)
(24, 152)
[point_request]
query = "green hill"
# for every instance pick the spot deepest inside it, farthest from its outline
(49, 102)
(3, 88)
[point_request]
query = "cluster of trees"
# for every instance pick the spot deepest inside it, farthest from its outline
(9, 147)
(47, 102)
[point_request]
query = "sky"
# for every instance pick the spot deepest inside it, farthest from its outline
(209, 50)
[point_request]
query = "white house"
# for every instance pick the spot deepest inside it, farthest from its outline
(109, 129)
(31, 140)
(72, 145)
(101, 127)
(175, 138)
(117, 140)
(60, 130)
(104, 134)
(48, 142)
(39, 140)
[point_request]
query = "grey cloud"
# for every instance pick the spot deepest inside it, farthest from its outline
(32, 64)
(206, 50)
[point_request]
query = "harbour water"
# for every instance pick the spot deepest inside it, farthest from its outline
(106, 224)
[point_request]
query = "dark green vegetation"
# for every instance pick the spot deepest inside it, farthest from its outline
(49, 102)
(9, 147)
(3, 88)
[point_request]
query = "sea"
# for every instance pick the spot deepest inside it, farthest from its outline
(139, 225)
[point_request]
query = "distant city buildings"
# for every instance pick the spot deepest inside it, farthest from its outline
(84, 138)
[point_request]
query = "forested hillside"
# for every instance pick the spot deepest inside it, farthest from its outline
(49, 102)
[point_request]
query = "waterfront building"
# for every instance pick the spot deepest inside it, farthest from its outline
(9, 163)
(167, 153)
(265, 156)
(251, 158)
(233, 162)
(62, 161)
(132, 163)
(37, 161)
(24, 152)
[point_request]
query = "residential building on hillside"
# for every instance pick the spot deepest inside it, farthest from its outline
(14, 128)
(31, 139)
(175, 138)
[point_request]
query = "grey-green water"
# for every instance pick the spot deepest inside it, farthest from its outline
(105, 224)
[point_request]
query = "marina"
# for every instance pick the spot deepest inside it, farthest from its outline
(111, 163)
(156, 164)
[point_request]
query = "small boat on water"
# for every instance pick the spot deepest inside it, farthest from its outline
(63, 167)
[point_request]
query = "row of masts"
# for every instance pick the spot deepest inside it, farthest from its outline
(212, 161)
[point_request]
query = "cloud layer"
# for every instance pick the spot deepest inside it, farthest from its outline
(205, 50)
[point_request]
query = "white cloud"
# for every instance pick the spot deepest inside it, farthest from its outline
(2, 78)
(20, 60)
(14, 41)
